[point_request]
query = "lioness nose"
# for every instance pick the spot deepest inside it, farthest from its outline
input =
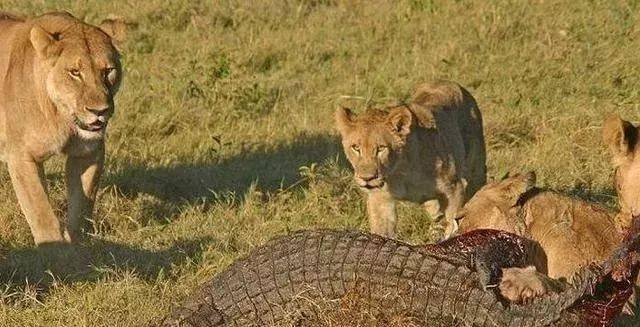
(98, 111)
(368, 177)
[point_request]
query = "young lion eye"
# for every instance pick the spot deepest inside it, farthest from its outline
(75, 73)
(382, 149)
(355, 148)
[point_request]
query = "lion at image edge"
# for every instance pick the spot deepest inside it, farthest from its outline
(59, 78)
(429, 151)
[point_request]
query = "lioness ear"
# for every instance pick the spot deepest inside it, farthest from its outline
(43, 42)
(344, 119)
(116, 28)
(400, 120)
(620, 136)
(517, 186)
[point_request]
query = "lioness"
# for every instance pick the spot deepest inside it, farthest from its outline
(429, 149)
(59, 77)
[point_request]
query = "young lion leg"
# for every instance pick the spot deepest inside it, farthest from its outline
(82, 177)
(382, 213)
(29, 184)
(451, 201)
(432, 207)
(520, 285)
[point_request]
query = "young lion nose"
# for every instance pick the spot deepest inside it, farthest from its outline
(98, 111)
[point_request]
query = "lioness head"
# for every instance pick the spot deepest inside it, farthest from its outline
(80, 68)
(373, 142)
(622, 139)
(495, 205)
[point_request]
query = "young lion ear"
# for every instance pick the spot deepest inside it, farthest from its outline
(518, 185)
(344, 119)
(116, 28)
(400, 119)
(43, 42)
(620, 136)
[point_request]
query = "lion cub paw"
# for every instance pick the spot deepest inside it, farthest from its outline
(521, 285)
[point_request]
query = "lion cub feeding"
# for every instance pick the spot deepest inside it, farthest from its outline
(431, 149)
(58, 77)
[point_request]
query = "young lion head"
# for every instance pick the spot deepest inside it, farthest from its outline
(494, 206)
(374, 142)
(622, 139)
(80, 68)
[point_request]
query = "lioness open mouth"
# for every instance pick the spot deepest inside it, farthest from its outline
(96, 126)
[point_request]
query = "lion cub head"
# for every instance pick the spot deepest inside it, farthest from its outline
(495, 205)
(80, 68)
(621, 137)
(374, 142)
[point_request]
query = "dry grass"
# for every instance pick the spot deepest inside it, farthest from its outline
(224, 135)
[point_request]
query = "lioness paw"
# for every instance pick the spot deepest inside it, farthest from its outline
(521, 285)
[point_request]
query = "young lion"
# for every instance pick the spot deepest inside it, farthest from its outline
(571, 232)
(58, 77)
(429, 149)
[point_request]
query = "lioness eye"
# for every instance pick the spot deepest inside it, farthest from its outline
(355, 149)
(74, 72)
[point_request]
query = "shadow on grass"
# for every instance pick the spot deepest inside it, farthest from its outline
(174, 186)
(97, 259)
(270, 168)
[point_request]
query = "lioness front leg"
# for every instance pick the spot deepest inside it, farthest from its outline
(82, 177)
(29, 183)
(382, 213)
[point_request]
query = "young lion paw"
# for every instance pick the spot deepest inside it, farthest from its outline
(521, 285)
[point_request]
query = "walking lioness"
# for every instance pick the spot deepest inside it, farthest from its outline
(58, 78)
(429, 149)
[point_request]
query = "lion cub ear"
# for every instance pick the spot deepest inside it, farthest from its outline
(344, 119)
(116, 28)
(400, 120)
(43, 42)
(518, 185)
(620, 136)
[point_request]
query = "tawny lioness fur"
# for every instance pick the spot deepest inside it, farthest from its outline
(58, 77)
(430, 149)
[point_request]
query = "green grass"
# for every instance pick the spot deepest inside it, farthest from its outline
(224, 138)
